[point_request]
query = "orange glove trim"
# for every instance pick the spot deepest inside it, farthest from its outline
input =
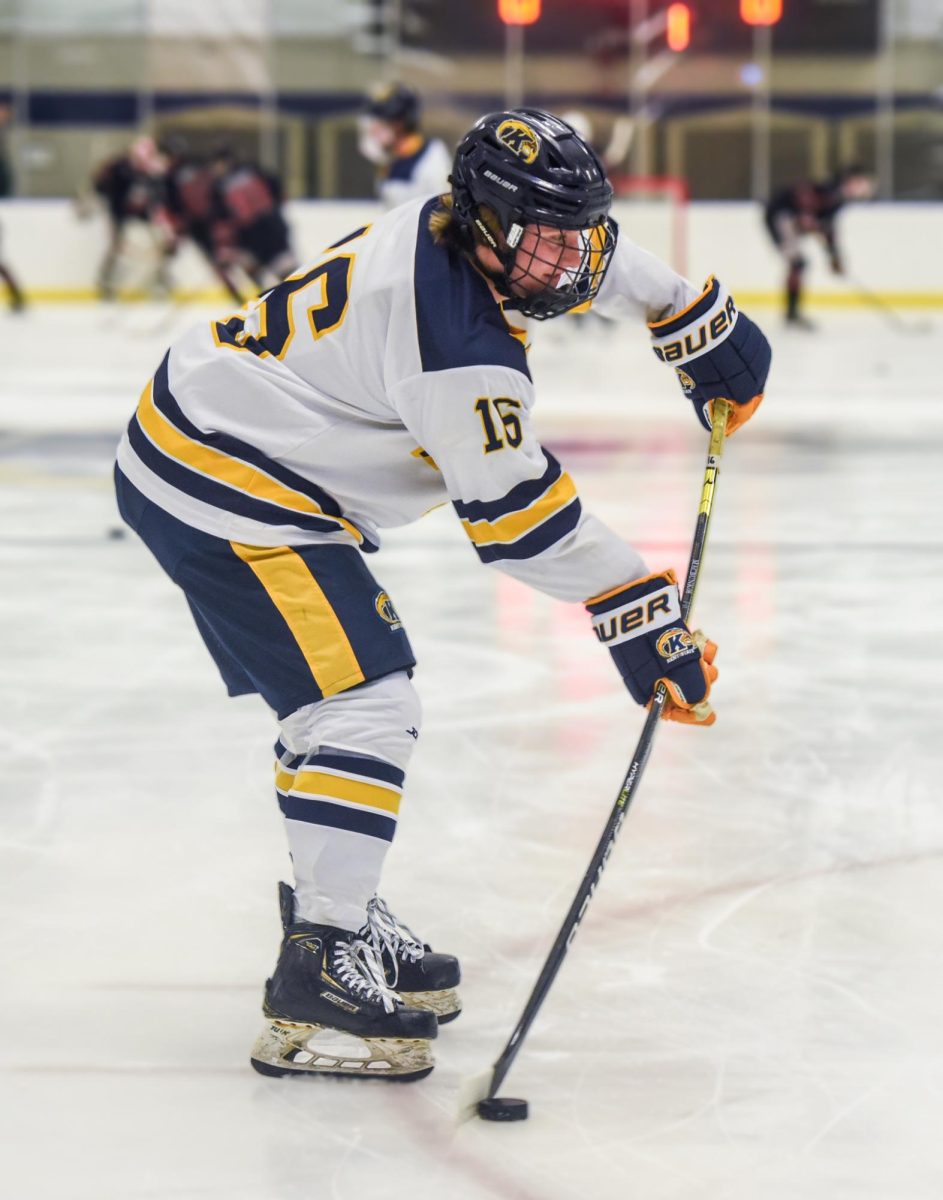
(738, 414)
(701, 713)
(669, 576)
(654, 325)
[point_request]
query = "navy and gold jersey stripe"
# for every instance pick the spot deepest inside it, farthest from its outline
(225, 472)
(528, 520)
(343, 791)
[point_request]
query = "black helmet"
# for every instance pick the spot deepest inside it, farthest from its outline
(526, 167)
(394, 102)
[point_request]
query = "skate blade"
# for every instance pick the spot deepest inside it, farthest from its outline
(290, 1048)
(445, 1004)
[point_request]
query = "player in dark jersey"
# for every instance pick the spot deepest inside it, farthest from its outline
(130, 186)
(248, 201)
(806, 208)
(193, 212)
(17, 302)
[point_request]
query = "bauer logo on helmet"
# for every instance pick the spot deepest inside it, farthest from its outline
(519, 138)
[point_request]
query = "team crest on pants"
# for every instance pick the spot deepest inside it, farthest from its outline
(674, 643)
(384, 607)
(520, 138)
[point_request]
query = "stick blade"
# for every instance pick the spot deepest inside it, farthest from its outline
(472, 1090)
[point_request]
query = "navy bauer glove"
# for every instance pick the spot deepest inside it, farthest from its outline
(717, 352)
(642, 627)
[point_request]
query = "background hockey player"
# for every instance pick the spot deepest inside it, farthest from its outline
(131, 186)
(192, 211)
(248, 204)
(409, 165)
(383, 379)
(811, 208)
(17, 301)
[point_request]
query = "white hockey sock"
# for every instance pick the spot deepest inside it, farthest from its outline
(339, 777)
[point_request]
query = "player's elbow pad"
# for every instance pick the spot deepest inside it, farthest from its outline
(717, 352)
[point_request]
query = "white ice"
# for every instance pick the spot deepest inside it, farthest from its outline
(752, 1008)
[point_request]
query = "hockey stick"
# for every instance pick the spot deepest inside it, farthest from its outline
(481, 1093)
(890, 314)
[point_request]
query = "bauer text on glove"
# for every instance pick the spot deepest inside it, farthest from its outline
(718, 353)
(641, 625)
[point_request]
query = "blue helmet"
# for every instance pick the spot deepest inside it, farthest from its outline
(526, 167)
(395, 102)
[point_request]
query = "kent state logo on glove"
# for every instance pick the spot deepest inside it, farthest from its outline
(717, 352)
(641, 625)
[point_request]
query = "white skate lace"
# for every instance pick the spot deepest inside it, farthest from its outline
(357, 965)
(388, 933)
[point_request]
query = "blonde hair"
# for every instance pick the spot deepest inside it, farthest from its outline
(442, 220)
(444, 227)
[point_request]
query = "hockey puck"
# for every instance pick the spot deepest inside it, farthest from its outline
(501, 1108)
(116, 533)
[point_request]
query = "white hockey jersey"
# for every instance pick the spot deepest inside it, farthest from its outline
(419, 171)
(371, 386)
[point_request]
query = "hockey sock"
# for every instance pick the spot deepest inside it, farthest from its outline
(339, 778)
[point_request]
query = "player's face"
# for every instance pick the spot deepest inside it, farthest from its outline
(544, 255)
(859, 187)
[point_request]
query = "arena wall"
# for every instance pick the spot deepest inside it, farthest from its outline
(893, 249)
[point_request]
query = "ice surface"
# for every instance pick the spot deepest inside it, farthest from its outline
(751, 1010)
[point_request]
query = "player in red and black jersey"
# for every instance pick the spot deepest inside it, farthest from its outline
(812, 208)
(247, 201)
(193, 211)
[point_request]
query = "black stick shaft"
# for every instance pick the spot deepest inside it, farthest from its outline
(630, 783)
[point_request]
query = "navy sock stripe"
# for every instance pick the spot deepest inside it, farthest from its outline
(366, 768)
(336, 816)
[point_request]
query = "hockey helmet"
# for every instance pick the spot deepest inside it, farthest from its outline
(524, 167)
(394, 103)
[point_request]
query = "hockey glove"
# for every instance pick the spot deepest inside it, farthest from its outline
(642, 627)
(718, 353)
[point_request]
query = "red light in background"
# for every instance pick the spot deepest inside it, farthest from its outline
(678, 28)
(519, 12)
(761, 12)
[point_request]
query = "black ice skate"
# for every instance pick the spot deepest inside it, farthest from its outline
(424, 979)
(332, 1012)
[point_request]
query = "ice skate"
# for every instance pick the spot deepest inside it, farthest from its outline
(423, 978)
(331, 1011)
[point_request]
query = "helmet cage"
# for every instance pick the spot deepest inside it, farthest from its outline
(560, 183)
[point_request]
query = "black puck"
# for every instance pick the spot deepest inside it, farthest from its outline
(502, 1108)
(116, 533)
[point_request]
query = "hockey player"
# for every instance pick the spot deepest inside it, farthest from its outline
(248, 199)
(131, 186)
(409, 165)
(375, 383)
(811, 208)
(17, 300)
(192, 211)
